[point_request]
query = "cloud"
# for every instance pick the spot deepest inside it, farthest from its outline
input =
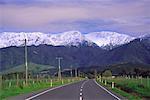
(126, 16)
(39, 15)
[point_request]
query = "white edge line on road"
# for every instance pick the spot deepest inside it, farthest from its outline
(48, 91)
(107, 91)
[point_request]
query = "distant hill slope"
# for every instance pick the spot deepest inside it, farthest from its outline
(120, 69)
(46, 55)
(128, 68)
(136, 51)
(34, 68)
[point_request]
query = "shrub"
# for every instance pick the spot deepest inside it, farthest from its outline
(107, 73)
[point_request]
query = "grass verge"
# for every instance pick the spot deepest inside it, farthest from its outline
(17, 90)
(121, 92)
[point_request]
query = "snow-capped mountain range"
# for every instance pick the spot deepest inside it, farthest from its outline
(111, 39)
(70, 38)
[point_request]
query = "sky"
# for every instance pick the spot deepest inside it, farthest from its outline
(130, 17)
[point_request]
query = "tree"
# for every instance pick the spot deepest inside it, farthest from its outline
(107, 73)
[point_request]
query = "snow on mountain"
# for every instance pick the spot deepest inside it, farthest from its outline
(69, 38)
(74, 38)
(111, 39)
(147, 36)
(17, 39)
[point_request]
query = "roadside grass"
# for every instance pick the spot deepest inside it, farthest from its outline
(130, 88)
(32, 86)
(125, 94)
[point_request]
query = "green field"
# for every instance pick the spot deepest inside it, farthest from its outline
(12, 82)
(131, 88)
(32, 67)
(12, 88)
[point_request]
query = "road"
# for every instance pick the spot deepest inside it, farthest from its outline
(84, 90)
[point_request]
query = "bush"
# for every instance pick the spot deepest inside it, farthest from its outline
(107, 73)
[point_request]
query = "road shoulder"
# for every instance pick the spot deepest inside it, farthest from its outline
(114, 94)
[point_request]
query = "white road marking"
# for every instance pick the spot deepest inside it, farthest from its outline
(81, 98)
(81, 94)
(83, 84)
(107, 91)
(47, 91)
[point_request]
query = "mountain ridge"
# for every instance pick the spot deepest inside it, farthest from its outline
(70, 38)
(136, 51)
(109, 39)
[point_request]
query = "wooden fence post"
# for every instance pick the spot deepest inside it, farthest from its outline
(10, 84)
(51, 82)
(1, 82)
(49, 78)
(105, 82)
(148, 81)
(33, 81)
(24, 83)
(141, 80)
(29, 80)
(37, 78)
(17, 79)
(132, 77)
(100, 79)
(62, 81)
(112, 86)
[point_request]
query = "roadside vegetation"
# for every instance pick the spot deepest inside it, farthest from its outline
(130, 87)
(40, 77)
(16, 87)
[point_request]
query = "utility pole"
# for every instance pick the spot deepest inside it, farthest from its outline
(59, 69)
(26, 63)
(76, 72)
(71, 71)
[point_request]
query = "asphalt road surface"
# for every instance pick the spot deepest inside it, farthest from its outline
(84, 90)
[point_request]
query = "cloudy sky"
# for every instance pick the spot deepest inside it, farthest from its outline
(52, 16)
